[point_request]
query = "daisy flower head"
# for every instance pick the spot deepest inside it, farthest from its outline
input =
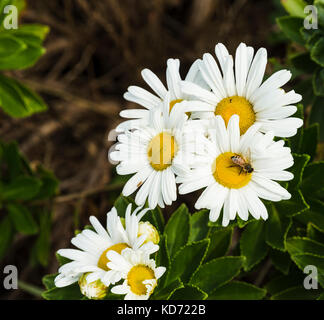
(141, 117)
(237, 170)
(139, 272)
(155, 153)
(93, 246)
(238, 89)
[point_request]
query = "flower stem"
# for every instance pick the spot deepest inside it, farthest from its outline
(31, 289)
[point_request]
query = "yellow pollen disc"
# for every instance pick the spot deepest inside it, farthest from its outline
(173, 102)
(161, 151)
(136, 276)
(103, 260)
(228, 176)
(236, 105)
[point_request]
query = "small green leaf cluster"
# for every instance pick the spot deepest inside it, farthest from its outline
(24, 195)
(308, 58)
(19, 49)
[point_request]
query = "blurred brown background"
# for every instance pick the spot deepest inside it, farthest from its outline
(95, 50)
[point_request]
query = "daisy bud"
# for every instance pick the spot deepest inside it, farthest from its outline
(151, 232)
(95, 290)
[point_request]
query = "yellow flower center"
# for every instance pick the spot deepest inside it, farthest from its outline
(228, 174)
(173, 102)
(236, 105)
(161, 151)
(103, 260)
(136, 276)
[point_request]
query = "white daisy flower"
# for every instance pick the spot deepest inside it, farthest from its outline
(242, 92)
(238, 170)
(94, 246)
(140, 117)
(138, 270)
(155, 153)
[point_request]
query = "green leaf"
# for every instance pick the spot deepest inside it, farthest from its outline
(303, 62)
(305, 88)
(122, 203)
(17, 100)
(7, 233)
(307, 34)
(216, 273)
(318, 82)
(317, 115)
(315, 214)
(190, 256)
(300, 162)
(312, 37)
(314, 233)
(320, 11)
(22, 218)
(188, 292)
(303, 260)
(22, 188)
(277, 227)
(238, 290)
(48, 281)
(177, 229)
(313, 179)
(31, 37)
(301, 245)
(13, 160)
(295, 7)
(253, 245)
(310, 140)
(281, 283)
(155, 216)
(220, 241)
(296, 293)
(10, 46)
(43, 242)
(71, 292)
(281, 260)
(290, 27)
(163, 259)
(199, 225)
(295, 142)
(36, 30)
(49, 185)
(61, 260)
(166, 292)
(317, 52)
(292, 207)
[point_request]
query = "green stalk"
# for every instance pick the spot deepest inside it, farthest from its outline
(31, 289)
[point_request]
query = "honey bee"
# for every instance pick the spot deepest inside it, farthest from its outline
(244, 164)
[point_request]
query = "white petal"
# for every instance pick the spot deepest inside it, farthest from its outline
(256, 72)
(137, 180)
(233, 129)
(154, 82)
